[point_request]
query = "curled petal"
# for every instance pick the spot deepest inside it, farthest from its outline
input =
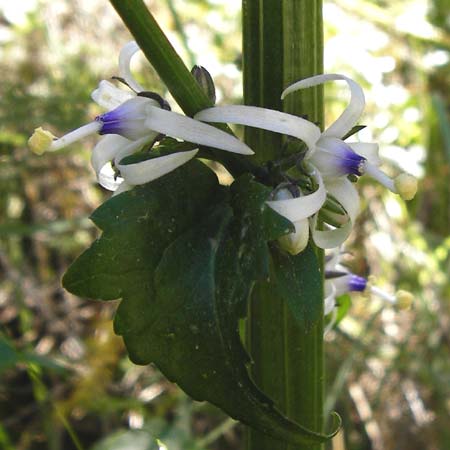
(149, 170)
(105, 151)
(108, 178)
(345, 193)
(191, 130)
(351, 114)
(127, 52)
(367, 149)
(113, 147)
(109, 96)
(267, 119)
(299, 208)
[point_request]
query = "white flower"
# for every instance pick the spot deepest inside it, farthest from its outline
(133, 120)
(328, 156)
(339, 281)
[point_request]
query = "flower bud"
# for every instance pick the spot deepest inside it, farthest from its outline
(294, 242)
(205, 81)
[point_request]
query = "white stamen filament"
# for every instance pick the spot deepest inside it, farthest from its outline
(380, 176)
(76, 135)
(392, 299)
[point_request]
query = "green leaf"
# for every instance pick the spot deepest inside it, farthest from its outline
(344, 303)
(298, 281)
(138, 225)
(256, 224)
(184, 258)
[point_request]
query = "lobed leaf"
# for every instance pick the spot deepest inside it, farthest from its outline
(183, 255)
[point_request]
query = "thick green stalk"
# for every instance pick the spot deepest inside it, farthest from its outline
(283, 43)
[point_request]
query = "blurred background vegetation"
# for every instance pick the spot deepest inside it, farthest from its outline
(65, 379)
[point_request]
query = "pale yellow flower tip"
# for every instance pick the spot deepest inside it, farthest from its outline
(406, 186)
(404, 299)
(40, 141)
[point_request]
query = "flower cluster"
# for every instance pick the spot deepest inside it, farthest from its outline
(318, 195)
(329, 161)
(135, 119)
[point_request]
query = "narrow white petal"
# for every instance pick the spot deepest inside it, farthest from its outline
(109, 96)
(127, 52)
(334, 256)
(146, 171)
(329, 238)
(367, 149)
(346, 194)
(300, 208)
(330, 297)
(349, 118)
(267, 119)
(191, 130)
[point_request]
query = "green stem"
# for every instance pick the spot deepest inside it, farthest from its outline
(282, 43)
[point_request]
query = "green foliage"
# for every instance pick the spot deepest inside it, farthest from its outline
(183, 255)
(298, 281)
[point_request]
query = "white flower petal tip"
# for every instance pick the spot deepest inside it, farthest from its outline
(351, 114)
(127, 52)
(296, 242)
(151, 169)
(40, 141)
(265, 119)
(109, 96)
(404, 299)
(406, 186)
(192, 130)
